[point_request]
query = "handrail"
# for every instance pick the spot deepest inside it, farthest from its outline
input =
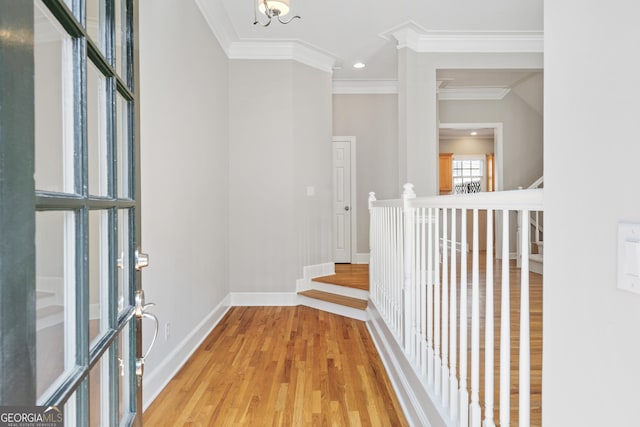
(537, 183)
(423, 252)
(513, 199)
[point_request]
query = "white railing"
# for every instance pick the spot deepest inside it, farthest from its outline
(419, 284)
(535, 224)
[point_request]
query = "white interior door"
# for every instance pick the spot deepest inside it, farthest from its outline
(342, 209)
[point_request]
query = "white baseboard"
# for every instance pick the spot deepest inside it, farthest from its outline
(156, 380)
(361, 259)
(416, 399)
(245, 299)
(312, 271)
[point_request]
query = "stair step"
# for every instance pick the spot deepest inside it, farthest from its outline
(44, 294)
(360, 304)
(49, 310)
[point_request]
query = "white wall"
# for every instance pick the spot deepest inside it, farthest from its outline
(185, 175)
(373, 120)
(591, 341)
(280, 143)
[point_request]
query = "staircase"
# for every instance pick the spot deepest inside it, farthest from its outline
(49, 312)
(345, 293)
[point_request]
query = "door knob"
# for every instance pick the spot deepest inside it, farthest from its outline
(346, 208)
(142, 260)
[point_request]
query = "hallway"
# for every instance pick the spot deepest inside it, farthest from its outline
(283, 366)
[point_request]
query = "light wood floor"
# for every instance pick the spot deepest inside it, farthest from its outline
(349, 275)
(280, 366)
(535, 319)
(355, 276)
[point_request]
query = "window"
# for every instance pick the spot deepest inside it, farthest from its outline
(467, 175)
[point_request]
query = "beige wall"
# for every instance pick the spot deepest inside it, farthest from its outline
(185, 175)
(280, 136)
(373, 120)
(522, 134)
(467, 146)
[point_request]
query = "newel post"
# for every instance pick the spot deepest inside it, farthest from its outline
(409, 278)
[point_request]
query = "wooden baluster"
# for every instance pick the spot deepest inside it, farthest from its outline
(430, 255)
(453, 339)
(488, 328)
(464, 394)
(436, 305)
(475, 329)
(445, 309)
(525, 355)
(505, 325)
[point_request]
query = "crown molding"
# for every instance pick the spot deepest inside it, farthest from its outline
(418, 39)
(235, 48)
(364, 87)
(282, 49)
(473, 94)
(216, 17)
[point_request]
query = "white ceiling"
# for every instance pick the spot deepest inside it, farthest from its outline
(354, 30)
(482, 133)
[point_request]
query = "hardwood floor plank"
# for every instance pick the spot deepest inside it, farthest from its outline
(349, 275)
(360, 304)
(280, 366)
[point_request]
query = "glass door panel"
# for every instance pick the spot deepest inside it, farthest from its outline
(124, 260)
(96, 11)
(99, 380)
(53, 63)
(98, 274)
(123, 130)
(121, 57)
(126, 355)
(55, 298)
(97, 130)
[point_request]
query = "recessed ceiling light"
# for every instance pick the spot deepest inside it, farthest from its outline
(359, 65)
(474, 133)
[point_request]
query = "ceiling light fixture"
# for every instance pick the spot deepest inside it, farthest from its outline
(474, 133)
(359, 65)
(272, 9)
